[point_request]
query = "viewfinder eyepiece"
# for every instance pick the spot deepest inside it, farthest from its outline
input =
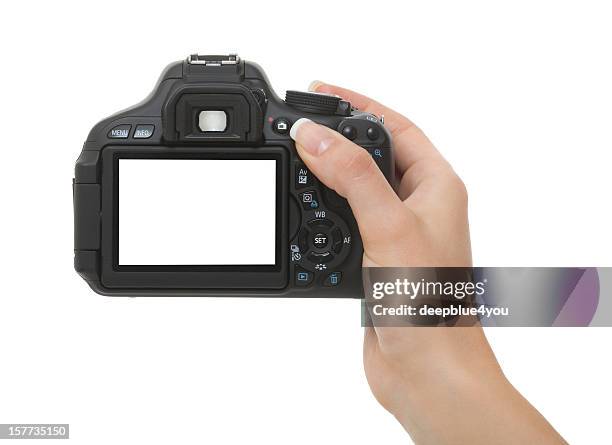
(212, 121)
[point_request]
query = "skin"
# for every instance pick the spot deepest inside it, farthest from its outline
(443, 384)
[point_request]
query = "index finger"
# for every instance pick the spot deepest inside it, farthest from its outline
(410, 143)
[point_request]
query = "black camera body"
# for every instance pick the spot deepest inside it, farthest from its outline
(199, 191)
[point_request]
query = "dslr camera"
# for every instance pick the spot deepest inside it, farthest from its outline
(199, 191)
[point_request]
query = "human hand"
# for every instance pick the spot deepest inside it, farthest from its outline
(440, 383)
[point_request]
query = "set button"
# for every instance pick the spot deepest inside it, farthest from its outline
(319, 240)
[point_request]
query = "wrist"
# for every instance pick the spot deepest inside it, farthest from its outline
(441, 400)
(438, 372)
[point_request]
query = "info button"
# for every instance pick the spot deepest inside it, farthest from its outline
(143, 131)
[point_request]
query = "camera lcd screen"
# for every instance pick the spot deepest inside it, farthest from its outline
(197, 212)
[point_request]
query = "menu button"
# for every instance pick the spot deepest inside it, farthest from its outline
(120, 132)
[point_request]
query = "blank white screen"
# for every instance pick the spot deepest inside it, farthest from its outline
(197, 211)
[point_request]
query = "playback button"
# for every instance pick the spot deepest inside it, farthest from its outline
(302, 276)
(143, 131)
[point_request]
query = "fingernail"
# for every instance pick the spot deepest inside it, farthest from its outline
(313, 138)
(314, 85)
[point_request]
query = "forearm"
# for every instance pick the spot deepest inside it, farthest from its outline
(457, 403)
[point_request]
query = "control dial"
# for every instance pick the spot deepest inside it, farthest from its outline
(318, 103)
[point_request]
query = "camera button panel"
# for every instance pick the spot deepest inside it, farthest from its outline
(363, 130)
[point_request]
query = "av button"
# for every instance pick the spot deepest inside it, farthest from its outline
(303, 177)
(120, 132)
(143, 131)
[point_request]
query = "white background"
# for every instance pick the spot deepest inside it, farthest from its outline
(516, 96)
(197, 212)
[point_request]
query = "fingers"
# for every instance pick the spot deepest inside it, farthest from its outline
(350, 170)
(393, 120)
(410, 143)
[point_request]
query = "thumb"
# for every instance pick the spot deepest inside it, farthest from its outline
(350, 170)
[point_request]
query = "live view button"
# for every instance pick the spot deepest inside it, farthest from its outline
(143, 131)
